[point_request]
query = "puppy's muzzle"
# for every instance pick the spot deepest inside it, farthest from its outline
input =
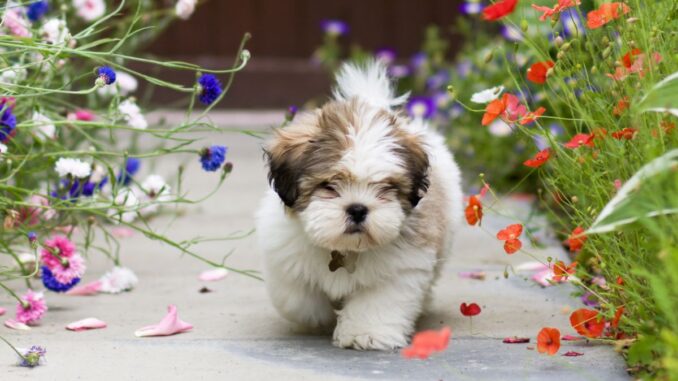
(357, 213)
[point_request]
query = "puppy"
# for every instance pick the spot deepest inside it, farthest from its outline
(360, 215)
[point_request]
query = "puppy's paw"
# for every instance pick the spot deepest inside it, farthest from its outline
(372, 338)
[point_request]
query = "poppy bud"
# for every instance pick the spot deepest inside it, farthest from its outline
(631, 20)
(606, 52)
(554, 21)
(560, 55)
(565, 46)
(228, 167)
(489, 56)
(558, 41)
(575, 199)
(549, 259)
(524, 26)
(594, 69)
(605, 40)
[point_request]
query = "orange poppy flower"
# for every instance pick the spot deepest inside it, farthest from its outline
(617, 316)
(494, 109)
(576, 239)
(427, 342)
(499, 9)
(580, 140)
(539, 159)
(530, 117)
(622, 105)
(511, 235)
(469, 309)
(588, 323)
(548, 341)
(561, 271)
(606, 13)
(474, 211)
(627, 133)
(550, 12)
(537, 72)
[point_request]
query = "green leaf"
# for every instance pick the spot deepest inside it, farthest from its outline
(663, 97)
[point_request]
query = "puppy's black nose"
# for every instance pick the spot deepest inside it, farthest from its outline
(358, 212)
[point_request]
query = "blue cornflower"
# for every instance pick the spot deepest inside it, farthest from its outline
(36, 10)
(210, 88)
(32, 357)
(131, 168)
(107, 74)
(7, 124)
(291, 113)
(472, 7)
(572, 23)
(32, 236)
(53, 284)
(212, 157)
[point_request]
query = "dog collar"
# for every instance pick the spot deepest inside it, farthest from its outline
(346, 260)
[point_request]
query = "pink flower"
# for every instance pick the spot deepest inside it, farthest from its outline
(32, 307)
(14, 21)
(73, 268)
(169, 325)
(63, 247)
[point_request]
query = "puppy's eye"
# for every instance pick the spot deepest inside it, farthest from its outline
(386, 190)
(328, 190)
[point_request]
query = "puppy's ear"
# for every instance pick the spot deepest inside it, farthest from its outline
(418, 166)
(285, 162)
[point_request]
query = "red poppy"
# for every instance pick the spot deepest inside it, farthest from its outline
(511, 235)
(548, 341)
(620, 280)
(427, 342)
(627, 133)
(474, 211)
(588, 323)
(622, 105)
(530, 117)
(580, 140)
(549, 12)
(561, 271)
(629, 58)
(617, 316)
(469, 309)
(539, 159)
(606, 13)
(576, 240)
(499, 9)
(537, 72)
(494, 109)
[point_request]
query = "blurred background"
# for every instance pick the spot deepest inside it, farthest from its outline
(285, 35)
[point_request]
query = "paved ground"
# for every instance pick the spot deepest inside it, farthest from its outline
(238, 335)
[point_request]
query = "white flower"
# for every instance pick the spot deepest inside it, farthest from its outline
(117, 280)
(74, 167)
(46, 128)
(185, 8)
(132, 114)
(155, 189)
(98, 174)
(90, 10)
(3, 148)
(55, 31)
(500, 128)
(488, 95)
(13, 74)
(124, 84)
(129, 202)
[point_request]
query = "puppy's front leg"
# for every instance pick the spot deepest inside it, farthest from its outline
(382, 317)
(299, 302)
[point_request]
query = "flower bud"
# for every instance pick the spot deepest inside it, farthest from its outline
(558, 41)
(560, 55)
(489, 56)
(228, 167)
(524, 25)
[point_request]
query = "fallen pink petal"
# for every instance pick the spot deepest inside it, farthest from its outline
(14, 324)
(86, 324)
(88, 289)
(2, 311)
(122, 232)
(516, 340)
(477, 275)
(169, 325)
(573, 354)
(531, 266)
(213, 275)
(544, 277)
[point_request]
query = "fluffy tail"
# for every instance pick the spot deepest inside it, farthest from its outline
(369, 82)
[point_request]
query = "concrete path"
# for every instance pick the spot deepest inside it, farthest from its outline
(239, 336)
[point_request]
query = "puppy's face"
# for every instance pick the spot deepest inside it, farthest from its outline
(350, 172)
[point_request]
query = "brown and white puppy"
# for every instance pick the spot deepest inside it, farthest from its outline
(360, 216)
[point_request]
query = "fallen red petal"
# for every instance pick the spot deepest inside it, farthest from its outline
(572, 354)
(516, 340)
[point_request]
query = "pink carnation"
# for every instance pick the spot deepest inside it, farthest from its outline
(63, 247)
(74, 269)
(16, 23)
(33, 310)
